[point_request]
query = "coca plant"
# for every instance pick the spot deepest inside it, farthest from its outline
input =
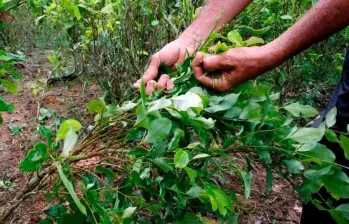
(170, 157)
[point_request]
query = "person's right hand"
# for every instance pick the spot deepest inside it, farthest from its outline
(173, 53)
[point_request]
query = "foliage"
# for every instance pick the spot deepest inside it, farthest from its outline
(167, 158)
(8, 75)
(110, 39)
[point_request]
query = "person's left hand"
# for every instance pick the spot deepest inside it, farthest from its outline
(234, 67)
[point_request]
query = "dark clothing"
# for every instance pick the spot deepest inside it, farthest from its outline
(339, 99)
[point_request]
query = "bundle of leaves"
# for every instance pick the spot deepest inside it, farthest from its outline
(169, 158)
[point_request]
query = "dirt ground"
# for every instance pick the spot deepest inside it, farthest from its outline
(65, 100)
(281, 205)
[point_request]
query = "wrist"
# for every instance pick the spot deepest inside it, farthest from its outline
(192, 39)
(275, 55)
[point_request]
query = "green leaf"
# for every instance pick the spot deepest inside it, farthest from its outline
(72, 9)
(69, 186)
(337, 184)
(286, 17)
(143, 94)
(5, 56)
(47, 134)
(154, 22)
(218, 198)
(343, 210)
(69, 142)
(203, 122)
(108, 9)
(9, 86)
(193, 145)
(313, 173)
(344, 143)
(162, 164)
(34, 159)
(5, 107)
(96, 106)
(77, 12)
(331, 117)
(306, 135)
(296, 109)
(143, 120)
(246, 178)
(235, 37)
(56, 211)
(233, 112)
(178, 135)
(181, 159)
(192, 174)
(264, 155)
(127, 106)
(66, 126)
(195, 191)
(15, 130)
(129, 212)
(227, 102)
(160, 104)
(221, 47)
(159, 129)
(252, 110)
(337, 217)
(331, 136)
(293, 166)
(252, 41)
(307, 147)
(200, 156)
(308, 188)
(186, 101)
(320, 154)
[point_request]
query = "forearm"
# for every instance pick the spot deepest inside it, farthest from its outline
(324, 19)
(215, 12)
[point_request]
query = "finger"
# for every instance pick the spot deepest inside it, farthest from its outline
(212, 49)
(137, 84)
(150, 87)
(199, 71)
(169, 84)
(153, 68)
(162, 82)
(216, 62)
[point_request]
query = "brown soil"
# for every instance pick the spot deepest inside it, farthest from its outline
(65, 100)
(281, 204)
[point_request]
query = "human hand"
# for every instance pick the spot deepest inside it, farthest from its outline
(235, 66)
(173, 53)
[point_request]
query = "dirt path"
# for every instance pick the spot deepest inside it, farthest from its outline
(66, 101)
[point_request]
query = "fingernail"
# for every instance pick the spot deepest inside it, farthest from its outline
(169, 84)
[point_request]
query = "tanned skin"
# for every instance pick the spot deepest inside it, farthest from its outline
(241, 64)
(175, 52)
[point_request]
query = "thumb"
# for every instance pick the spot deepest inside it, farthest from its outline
(216, 62)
